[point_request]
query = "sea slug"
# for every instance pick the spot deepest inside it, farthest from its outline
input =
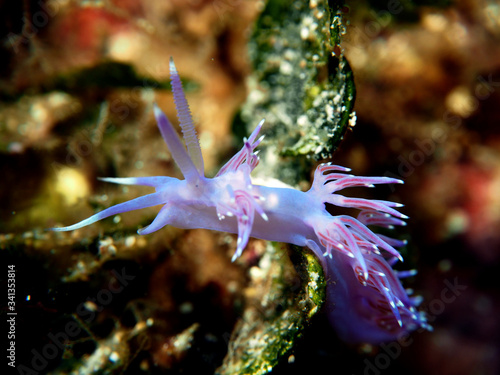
(365, 299)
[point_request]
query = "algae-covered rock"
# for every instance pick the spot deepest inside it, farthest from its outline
(280, 302)
(302, 85)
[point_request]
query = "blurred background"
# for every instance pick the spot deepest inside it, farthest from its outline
(76, 78)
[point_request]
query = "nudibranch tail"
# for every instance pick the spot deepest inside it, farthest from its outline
(371, 309)
(185, 119)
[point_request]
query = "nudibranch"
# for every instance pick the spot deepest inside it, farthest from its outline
(365, 298)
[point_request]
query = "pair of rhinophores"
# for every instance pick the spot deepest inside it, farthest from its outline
(365, 299)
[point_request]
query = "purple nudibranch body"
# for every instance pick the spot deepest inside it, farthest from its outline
(365, 299)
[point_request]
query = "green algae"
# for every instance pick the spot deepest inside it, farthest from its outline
(302, 85)
(283, 300)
